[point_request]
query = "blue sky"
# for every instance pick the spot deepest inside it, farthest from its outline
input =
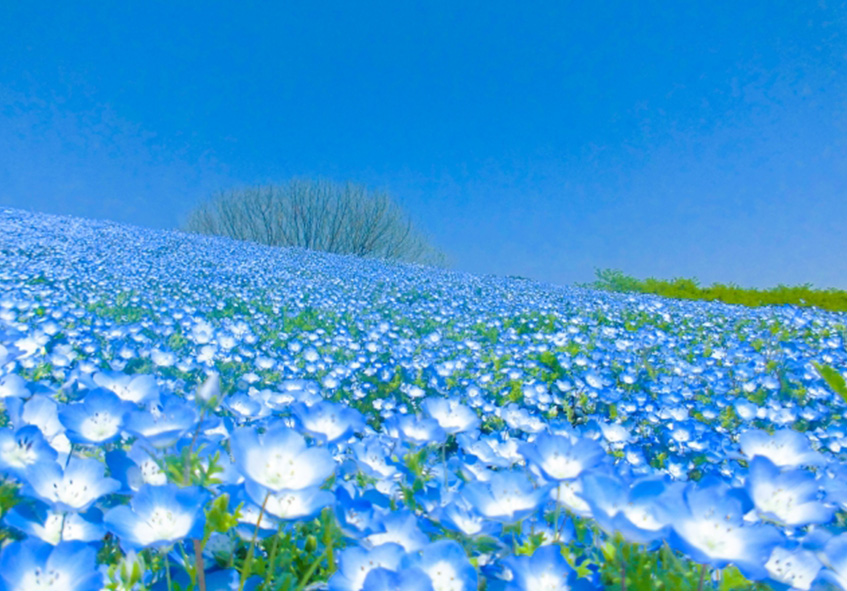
(536, 139)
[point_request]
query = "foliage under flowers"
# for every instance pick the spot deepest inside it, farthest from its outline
(182, 412)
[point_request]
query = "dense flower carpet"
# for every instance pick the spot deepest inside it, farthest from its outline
(186, 412)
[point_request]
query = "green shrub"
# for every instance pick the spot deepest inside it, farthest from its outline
(689, 289)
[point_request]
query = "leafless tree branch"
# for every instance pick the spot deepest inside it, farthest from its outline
(319, 215)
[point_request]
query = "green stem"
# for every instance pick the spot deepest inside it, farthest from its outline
(328, 542)
(556, 527)
(186, 472)
(272, 558)
(444, 461)
(199, 565)
(248, 560)
(515, 533)
(168, 571)
(70, 455)
(702, 577)
(308, 574)
(623, 564)
(623, 573)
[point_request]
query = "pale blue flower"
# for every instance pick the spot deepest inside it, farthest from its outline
(33, 565)
(158, 516)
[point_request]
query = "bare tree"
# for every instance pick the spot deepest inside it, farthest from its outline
(319, 215)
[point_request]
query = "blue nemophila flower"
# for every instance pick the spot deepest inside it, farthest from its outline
(401, 528)
(39, 521)
(41, 411)
(447, 565)
(33, 565)
(569, 494)
(795, 568)
(641, 511)
(372, 459)
(785, 448)
(162, 424)
(250, 514)
(545, 570)
(74, 488)
(139, 389)
(354, 564)
(490, 450)
(788, 497)
(135, 467)
(279, 459)
(459, 515)
(247, 406)
(418, 430)
(8, 353)
(834, 557)
(13, 386)
(451, 415)
(158, 516)
(208, 394)
(835, 484)
(710, 528)
(355, 512)
(23, 448)
(506, 497)
(616, 434)
(328, 421)
(518, 417)
(561, 458)
(291, 504)
(410, 579)
(97, 419)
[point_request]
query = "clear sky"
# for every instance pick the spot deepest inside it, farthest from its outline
(540, 139)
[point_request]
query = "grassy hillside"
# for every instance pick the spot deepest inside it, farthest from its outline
(188, 412)
(689, 289)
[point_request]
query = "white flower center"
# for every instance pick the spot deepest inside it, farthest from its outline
(328, 425)
(360, 575)
(507, 502)
(548, 581)
(126, 393)
(444, 577)
(562, 466)
(52, 530)
(100, 426)
(41, 579)
(19, 454)
(715, 537)
(163, 525)
(73, 494)
(152, 474)
(279, 470)
(778, 501)
(286, 506)
(641, 517)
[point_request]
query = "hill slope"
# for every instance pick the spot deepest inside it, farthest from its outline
(507, 416)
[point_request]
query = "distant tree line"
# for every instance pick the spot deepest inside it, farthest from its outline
(690, 289)
(342, 218)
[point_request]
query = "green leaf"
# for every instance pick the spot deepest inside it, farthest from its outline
(218, 517)
(731, 579)
(833, 379)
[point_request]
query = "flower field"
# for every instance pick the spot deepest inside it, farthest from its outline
(185, 412)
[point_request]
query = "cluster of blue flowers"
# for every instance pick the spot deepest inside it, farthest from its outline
(186, 412)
